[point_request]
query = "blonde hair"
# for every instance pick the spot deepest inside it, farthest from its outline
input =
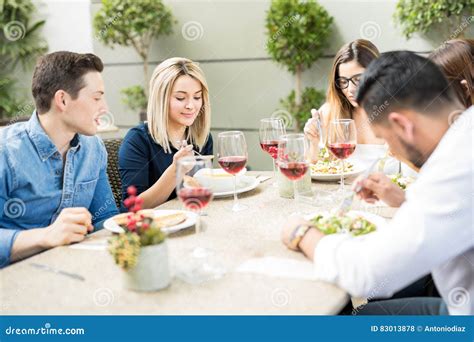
(161, 84)
(363, 52)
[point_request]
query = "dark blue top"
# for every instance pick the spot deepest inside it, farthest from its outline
(142, 161)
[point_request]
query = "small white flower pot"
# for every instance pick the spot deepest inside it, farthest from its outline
(152, 271)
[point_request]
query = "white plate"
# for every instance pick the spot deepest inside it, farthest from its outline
(247, 183)
(379, 221)
(112, 226)
(218, 180)
(358, 169)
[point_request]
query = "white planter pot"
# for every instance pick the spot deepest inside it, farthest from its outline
(152, 271)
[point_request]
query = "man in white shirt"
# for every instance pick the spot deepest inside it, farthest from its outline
(433, 229)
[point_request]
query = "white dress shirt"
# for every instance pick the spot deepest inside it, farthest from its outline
(431, 232)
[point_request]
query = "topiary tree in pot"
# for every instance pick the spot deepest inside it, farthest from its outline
(134, 23)
(298, 33)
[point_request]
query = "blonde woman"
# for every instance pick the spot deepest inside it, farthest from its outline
(178, 122)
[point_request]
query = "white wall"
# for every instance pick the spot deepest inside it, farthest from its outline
(68, 24)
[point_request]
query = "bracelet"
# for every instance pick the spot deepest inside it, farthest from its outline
(297, 235)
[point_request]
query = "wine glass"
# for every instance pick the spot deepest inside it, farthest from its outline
(292, 149)
(342, 140)
(271, 129)
(232, 157)
(195, 194)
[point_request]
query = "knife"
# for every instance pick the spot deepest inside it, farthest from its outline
(57, 271)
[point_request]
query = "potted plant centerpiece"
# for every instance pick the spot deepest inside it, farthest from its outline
(141, 249)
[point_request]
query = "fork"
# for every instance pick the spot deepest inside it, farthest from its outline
(181, 143)
(347, 201)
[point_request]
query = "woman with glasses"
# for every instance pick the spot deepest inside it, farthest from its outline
(349, 64)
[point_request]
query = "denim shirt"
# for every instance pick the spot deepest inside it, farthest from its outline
(35, 186)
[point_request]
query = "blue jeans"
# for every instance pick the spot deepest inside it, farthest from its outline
(404, 306)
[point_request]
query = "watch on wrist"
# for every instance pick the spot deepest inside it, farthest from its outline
(297, 235)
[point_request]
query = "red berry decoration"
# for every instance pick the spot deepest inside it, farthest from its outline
(131, 190)
(127, 202)
(136, 208)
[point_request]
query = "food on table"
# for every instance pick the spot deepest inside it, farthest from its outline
(162, 221)
(191, 182)
(327, 164)
(330, 223)
(170, 220)
(402, 182)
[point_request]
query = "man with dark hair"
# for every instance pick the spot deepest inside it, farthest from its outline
(411, 106)
(53, 182)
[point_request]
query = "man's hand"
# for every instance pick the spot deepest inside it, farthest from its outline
(379, 187)
(308, 242)
(290, 225)
(71, 226)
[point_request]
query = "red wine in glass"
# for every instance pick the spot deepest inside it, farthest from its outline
(232, 164)
(342, 150)
(271, 147)
(195, 198)
(294, 170)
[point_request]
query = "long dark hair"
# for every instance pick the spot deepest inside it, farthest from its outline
(363, 52)
(456, 60)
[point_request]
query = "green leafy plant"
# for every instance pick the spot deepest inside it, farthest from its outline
(424, 15)
(20, 44)
(134, 97)
(298, 34)
(139, 231)
(134, 23)
(311, 98)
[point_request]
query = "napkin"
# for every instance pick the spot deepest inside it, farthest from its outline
(278, 267)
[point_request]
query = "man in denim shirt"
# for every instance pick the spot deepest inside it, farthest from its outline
(53, 182)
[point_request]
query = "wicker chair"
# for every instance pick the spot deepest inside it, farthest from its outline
(112, 146)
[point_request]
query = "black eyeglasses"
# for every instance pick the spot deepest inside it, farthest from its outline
(343, 82)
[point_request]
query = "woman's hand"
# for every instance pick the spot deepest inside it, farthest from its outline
(311, 128)
(184, 151)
